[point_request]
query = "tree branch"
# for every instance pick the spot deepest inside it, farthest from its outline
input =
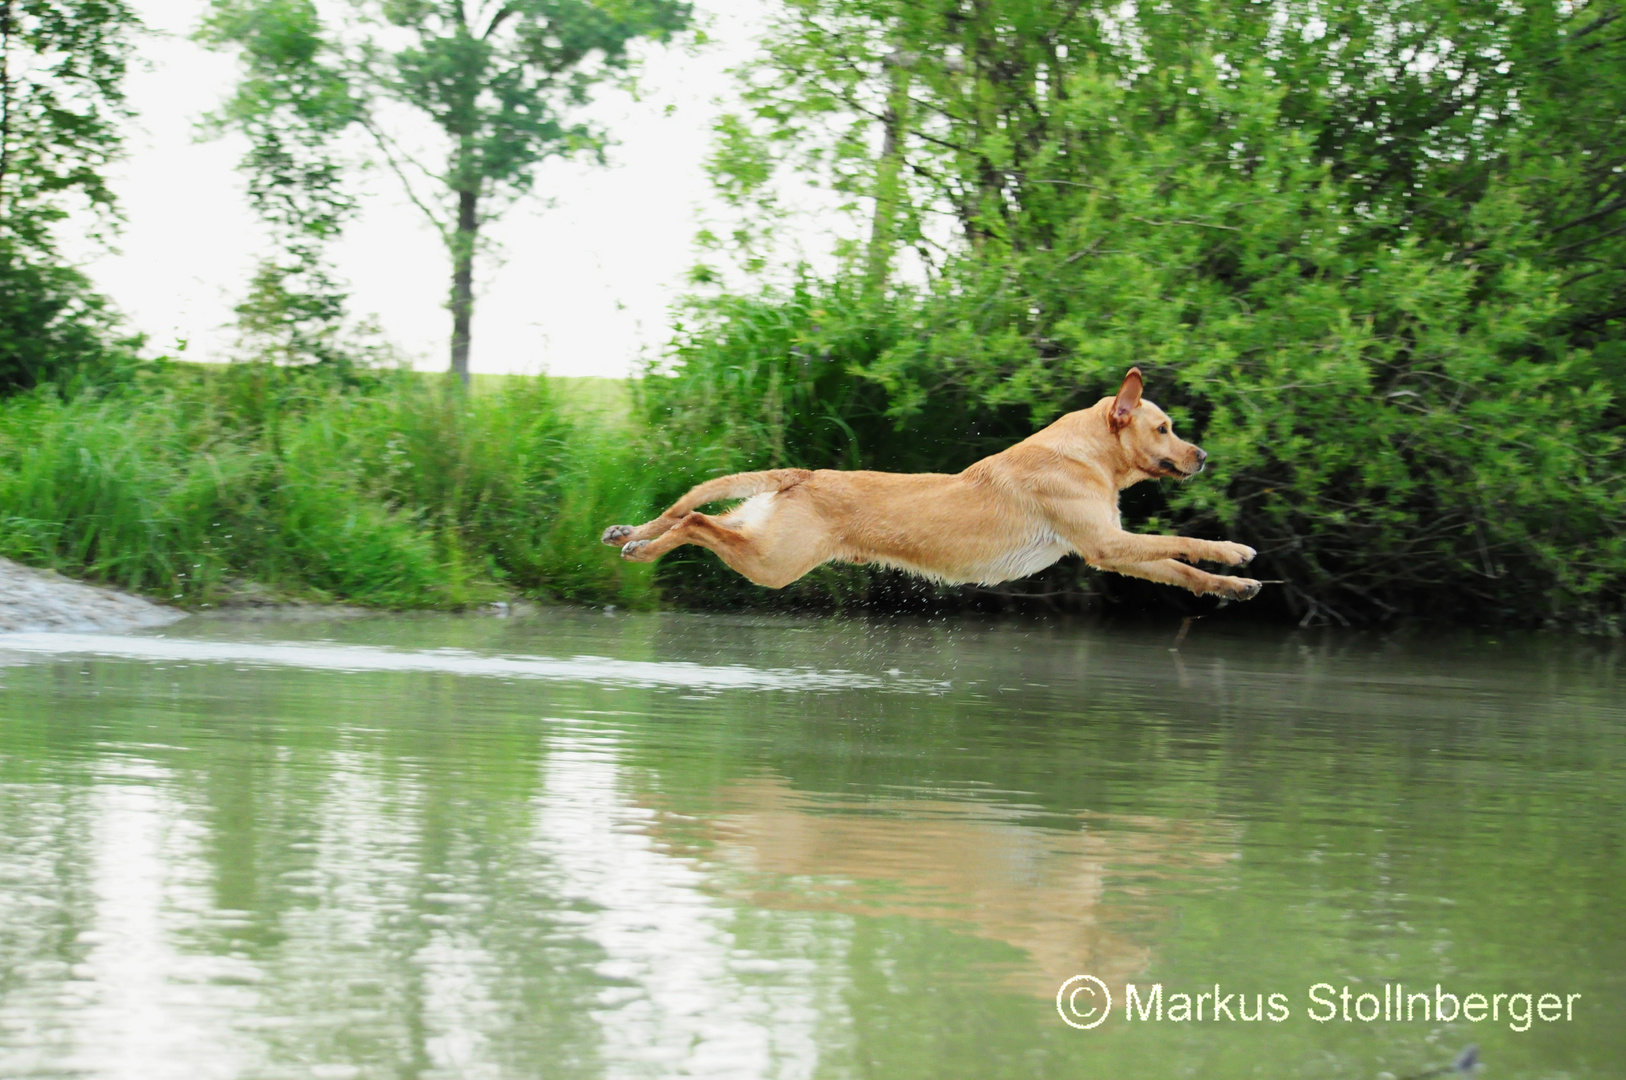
(386, 145)
(1601, 212)
(497, 20)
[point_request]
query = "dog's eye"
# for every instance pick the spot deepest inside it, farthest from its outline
(1163, 429)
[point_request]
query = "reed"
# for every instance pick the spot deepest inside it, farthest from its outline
(393, 489)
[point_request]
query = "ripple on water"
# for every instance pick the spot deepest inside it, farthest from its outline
(333, 657)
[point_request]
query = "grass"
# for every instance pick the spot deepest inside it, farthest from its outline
(394, 491)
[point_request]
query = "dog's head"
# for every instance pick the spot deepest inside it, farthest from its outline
(1147, 434)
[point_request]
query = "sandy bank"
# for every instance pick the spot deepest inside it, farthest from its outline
(42, 600)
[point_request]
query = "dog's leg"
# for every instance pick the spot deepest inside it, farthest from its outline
(745, 555)
(1092, 528)
(737, 486)
(692, 529)
(1175, 572)
(1115, 547)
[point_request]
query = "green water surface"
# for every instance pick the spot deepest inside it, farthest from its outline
(580, 844)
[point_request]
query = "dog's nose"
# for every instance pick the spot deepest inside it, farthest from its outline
(1202, 455)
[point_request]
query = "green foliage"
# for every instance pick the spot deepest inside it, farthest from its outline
(53, 325)
(292, 99)
(62, 66)
(292, 103)
(396, 493)
(1372, 258)
(504, 92)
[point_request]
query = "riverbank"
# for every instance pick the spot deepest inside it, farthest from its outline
(205, 486)
(43, 600)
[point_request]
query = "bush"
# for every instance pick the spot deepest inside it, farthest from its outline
(1394, 443)
(53, 326)
(1385, 295)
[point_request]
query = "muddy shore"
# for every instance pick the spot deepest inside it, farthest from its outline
(43, 600)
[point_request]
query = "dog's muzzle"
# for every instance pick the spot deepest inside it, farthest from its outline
(1171, 469)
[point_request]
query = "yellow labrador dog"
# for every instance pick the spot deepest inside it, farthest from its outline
(1007, 516)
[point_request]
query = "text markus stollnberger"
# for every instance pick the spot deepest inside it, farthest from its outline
(1328, 1003)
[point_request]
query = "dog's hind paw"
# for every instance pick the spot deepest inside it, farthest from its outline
(615, 534)
(634, 552)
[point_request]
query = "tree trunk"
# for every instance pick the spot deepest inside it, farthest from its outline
(468, 226)
(5, 98)
(883, 234)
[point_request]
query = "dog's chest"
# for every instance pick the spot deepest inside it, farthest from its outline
(1039, 551)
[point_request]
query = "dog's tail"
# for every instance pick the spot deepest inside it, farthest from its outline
(738, 486)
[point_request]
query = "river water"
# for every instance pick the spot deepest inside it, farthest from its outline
(581, 844)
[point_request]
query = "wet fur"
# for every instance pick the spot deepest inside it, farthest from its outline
(1007, 516)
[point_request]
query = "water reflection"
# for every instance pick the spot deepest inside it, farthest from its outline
(981, 867)
(678, 991)
(109, 901)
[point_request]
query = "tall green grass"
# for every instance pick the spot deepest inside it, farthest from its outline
(394, 490)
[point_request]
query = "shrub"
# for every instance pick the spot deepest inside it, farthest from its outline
(1394, 443)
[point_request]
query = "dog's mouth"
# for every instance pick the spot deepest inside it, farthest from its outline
(1171, 469)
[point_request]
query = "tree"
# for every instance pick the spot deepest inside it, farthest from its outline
(62, 65)
(292, 103)
(501, 81)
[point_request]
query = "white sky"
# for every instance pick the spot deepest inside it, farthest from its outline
(583, 285)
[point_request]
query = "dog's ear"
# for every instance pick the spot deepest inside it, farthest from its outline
(1127, 401)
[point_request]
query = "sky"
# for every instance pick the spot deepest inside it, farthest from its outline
(584, 272)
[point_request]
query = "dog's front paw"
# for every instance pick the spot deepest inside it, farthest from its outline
(1241, 588)
(634, 552)
(1231, 554)
(616, 534)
